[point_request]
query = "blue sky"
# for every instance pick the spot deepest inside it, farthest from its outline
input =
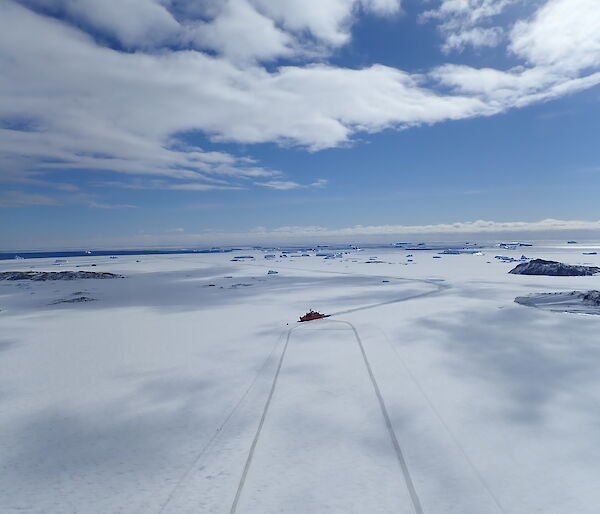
(153, 122)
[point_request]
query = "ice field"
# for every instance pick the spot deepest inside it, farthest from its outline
(189, 386)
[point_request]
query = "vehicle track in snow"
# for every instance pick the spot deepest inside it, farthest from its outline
(438, 283)
(439, 287)
(184, 477)
(416, 504)
(480, 477)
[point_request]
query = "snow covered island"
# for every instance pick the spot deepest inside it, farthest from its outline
(578, 302)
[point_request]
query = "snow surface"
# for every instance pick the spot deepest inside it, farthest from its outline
(148, 398)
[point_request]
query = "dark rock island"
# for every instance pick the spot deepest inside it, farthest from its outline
(55, 275)
(553, 268)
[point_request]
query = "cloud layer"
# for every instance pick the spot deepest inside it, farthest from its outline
(467, 227)
(548, 229)
(117, 85)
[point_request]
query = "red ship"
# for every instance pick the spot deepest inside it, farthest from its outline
(310, 315)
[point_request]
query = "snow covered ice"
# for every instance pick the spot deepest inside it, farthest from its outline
(149, 398)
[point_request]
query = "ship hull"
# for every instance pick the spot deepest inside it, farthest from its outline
(312, 318)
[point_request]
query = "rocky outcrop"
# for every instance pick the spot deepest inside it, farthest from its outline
(553, 268)
(55, 275)
(78, 299)
(591, 298)
(579, 302)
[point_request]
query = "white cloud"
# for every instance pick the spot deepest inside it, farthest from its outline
(465, 22)
(134, 23)
(476, 37)
(96, 108)
(198, 187)
(322, 182)
(241, 30)
(286, 185)
(328, 21)
(467, 12)
(501, 90)
(561, 45)
(21, 199)
(281, 185)
(562, 33)
(76, 104)
(242, 34)
(101, 205)
(475, 227)
(481, 230)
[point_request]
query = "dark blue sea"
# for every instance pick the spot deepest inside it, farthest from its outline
(336, 247)
(100, 253)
